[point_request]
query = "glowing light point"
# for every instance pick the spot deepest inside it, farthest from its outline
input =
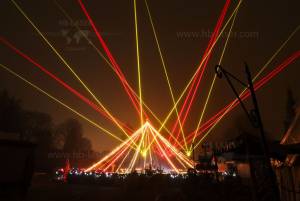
(144, 153)
(188, 153)
(144, 136)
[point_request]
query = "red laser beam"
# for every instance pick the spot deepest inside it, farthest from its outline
(129, 90)
(61, 82)
(115, 65)
(205, 65)
(117, 156)
(244, 96)
(199, 76)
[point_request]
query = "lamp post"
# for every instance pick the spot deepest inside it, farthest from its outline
(255, 119)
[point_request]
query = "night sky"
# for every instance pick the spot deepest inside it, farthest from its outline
(267, 23)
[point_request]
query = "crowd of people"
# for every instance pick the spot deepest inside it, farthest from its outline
(192, 185)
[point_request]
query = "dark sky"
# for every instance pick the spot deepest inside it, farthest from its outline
(268, 22)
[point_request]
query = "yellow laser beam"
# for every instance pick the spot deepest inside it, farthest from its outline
(255, 77)
(172, 136)
(123, 160)
(69, 67)
(60, 102)
(138, 61)
(108, 63)
(168, 144)
(210, 49)
(138, 150)
(150, 154)
(177, 152)
(116, 157)
(109, 162)
(204, 58)
(65, 13)
(165, 72)
(165, 155)
(105, 163)
(152, 130)
(277, 52)
(181, 163)
(113, 151)
(214, 80)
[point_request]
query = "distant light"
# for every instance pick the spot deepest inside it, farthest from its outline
(188, 153)
(144, 153)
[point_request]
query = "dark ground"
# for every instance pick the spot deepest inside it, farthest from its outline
(43, 189)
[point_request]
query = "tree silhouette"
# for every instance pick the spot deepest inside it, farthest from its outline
(69, 135)
(10, 113)
(69, 138)
(39, 128)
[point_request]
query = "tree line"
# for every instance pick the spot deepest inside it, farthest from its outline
(55, 143)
